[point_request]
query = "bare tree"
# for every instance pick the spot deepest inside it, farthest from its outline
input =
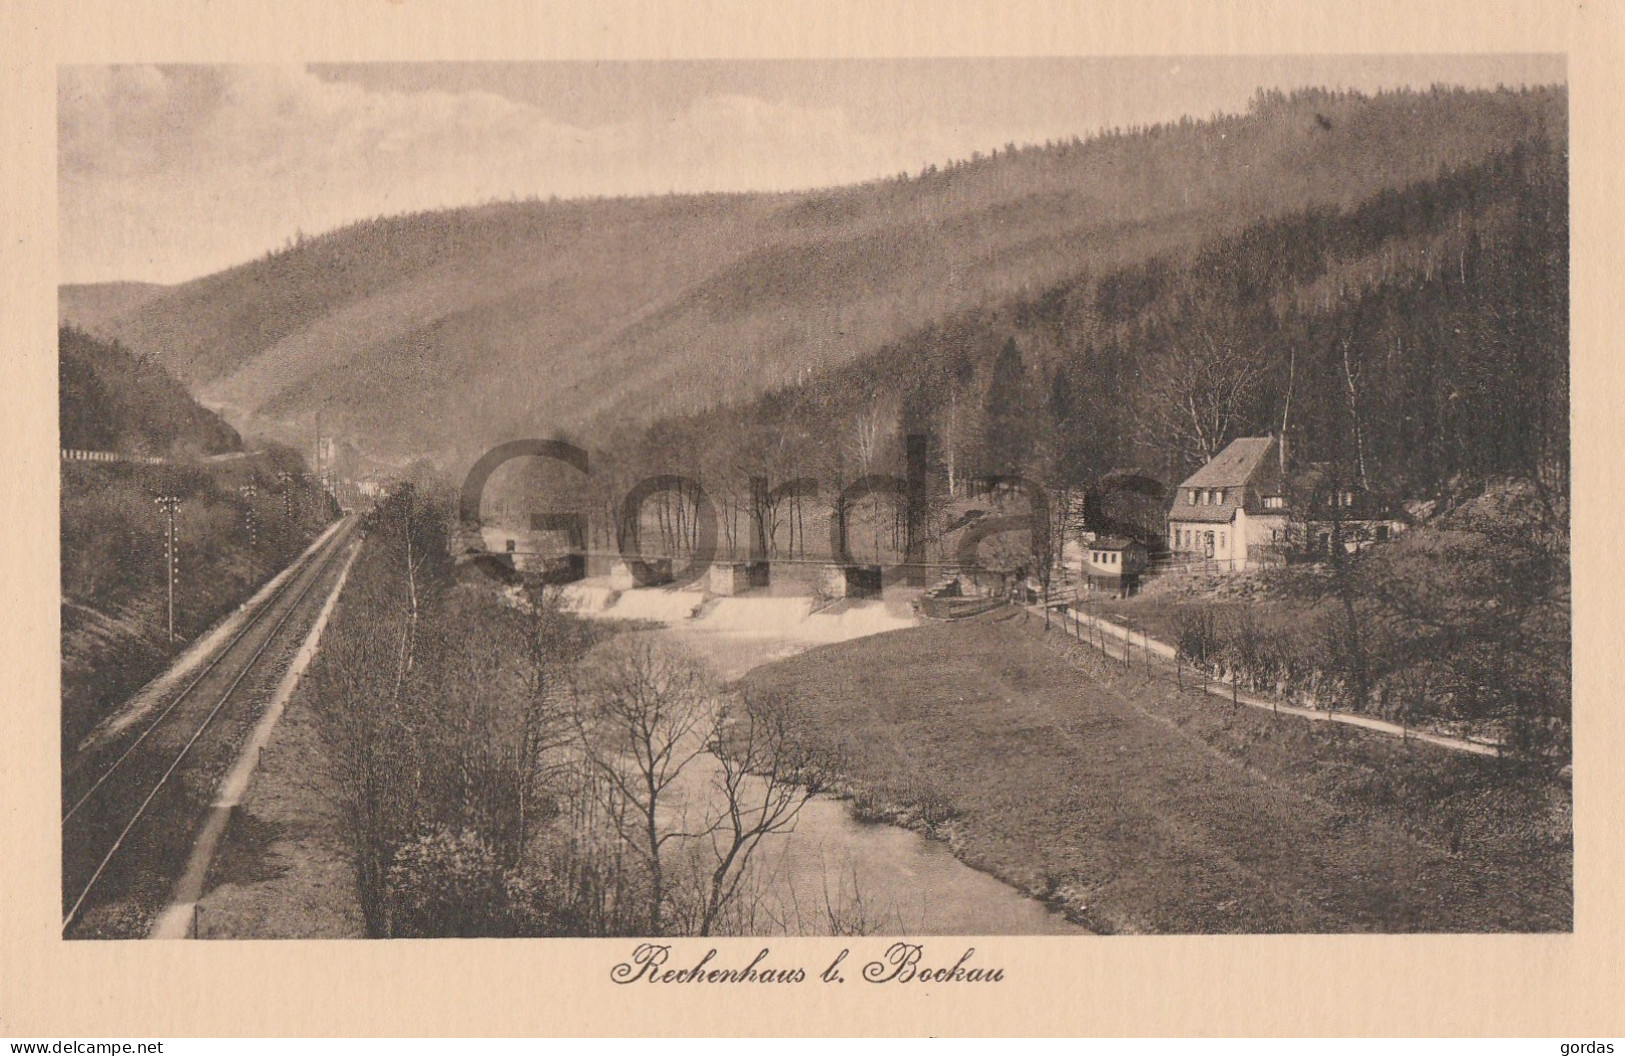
(764, 778)
(1199, 391)
(690, 782)
(366, 782)
(555, 640)
(412, 567)
(866, 436)
(373, 768)
(1352, 378)
(644, 712)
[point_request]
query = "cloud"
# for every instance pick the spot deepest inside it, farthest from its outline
(167, 173)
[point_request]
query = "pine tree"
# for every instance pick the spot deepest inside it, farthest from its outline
(1008, 427)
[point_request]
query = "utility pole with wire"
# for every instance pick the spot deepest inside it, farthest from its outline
(169, 504)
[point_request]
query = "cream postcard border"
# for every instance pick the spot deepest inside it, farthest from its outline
(1568, 985)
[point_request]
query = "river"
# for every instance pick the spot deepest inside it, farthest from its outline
(833, 873)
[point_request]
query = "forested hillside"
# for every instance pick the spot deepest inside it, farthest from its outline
(86, 306)
(441, 333)
(113, 400)
(228, 540)
(1415, 342)
(1419, 337)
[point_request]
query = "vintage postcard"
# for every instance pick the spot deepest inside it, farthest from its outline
(873, 527)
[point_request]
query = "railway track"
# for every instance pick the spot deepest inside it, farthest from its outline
(131, 806)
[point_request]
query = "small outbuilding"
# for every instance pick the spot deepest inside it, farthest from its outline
(1115, 564)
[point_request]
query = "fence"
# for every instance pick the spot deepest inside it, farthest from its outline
(1122, 643)
(74, 454)
(70, 454)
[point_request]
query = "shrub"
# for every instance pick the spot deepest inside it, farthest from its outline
(447, 883)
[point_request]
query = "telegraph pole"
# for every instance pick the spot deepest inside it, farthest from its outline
(169, 504)
(286, 480)
(248, 492)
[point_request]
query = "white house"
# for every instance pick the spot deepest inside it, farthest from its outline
(1234, 508)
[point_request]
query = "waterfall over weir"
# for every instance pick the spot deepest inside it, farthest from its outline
(796, 617)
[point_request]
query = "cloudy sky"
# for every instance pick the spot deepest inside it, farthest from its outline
(168, 173)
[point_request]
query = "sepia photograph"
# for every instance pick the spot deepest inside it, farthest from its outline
(870, 497)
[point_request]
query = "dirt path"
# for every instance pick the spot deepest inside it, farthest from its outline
(1123, 644)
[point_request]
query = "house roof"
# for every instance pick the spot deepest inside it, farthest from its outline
(1218, 513)
(1115, 542)
(1235, 465)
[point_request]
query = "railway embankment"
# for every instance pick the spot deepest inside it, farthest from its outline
(236, 525)
(133, 799)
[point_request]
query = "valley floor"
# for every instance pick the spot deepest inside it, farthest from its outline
(1140, 808)
(1126, 803)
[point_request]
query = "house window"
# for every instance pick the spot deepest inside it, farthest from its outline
(1382, 533)
(1219, 497)
(1190, 495)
